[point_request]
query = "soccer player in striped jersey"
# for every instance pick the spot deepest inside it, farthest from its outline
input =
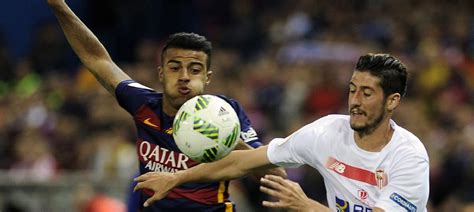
(184, 73)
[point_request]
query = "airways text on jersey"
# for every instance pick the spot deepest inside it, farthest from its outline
(156, 158)
(379, 178)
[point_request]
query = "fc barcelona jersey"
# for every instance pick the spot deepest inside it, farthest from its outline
(157, 150)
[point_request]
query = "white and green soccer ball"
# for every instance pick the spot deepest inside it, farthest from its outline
(206, 128)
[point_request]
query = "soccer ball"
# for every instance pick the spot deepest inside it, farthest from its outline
(206, 128)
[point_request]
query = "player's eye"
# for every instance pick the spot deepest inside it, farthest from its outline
(352, 89)
(195, 70)
(174, 68)
(367, 92)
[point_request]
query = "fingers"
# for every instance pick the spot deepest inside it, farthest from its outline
(270, 184)
(150, 184)
(279, 187)
(271, 187)
(282, 173)
(275, 178)
(268, 191)
(272, 204)
(146, 186)
(139, 186)
(273, 181)
(284, 183)
(144, 181)
(155, 197)
(143, 177)
(279, 171)
(289, 193)
(150, 200)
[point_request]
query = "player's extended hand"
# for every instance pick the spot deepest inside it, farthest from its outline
(289, 193)
(156, 184)
(278, 171)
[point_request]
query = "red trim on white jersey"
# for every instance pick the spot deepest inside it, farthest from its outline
(378, 179)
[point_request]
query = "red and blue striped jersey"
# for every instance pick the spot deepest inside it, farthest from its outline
(157, 150)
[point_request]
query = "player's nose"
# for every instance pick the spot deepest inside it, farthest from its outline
(184, 75)
(354, 99)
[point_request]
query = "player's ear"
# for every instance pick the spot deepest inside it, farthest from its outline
(160, 73)
(208, 77)
(393, 100)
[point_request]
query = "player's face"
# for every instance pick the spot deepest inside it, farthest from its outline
(184, 74)
(366, 102)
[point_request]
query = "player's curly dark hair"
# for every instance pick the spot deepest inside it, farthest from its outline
(391, 71)
(191, 41)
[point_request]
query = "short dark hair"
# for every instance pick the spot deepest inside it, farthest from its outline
(390, 70)
(191, 41)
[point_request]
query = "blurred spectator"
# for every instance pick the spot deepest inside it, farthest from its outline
(89, 199)
(114, 156)
(33, 158)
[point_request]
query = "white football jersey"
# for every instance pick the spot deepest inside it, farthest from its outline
(394, 179)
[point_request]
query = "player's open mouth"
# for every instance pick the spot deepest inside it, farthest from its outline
(357, 113)
(183, 90)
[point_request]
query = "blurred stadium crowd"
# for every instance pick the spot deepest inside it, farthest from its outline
(287, 62)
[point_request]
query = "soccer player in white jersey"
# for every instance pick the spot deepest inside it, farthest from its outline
(368, 162)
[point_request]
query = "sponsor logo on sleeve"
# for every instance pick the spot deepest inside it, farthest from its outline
(248, 135)
(403, 202)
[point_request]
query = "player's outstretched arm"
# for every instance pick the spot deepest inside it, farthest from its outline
(87, 47)
(279, 171)
(236, 164)
(289, 195)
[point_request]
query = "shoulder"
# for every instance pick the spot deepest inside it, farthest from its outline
(333, 122)
(408, 145)
(234, 103)
(134, 85)
(132, 91)
(329, 127)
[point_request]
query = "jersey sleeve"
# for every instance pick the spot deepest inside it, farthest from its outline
(247, 132)
(408, 187)
(131, 95)
(295, 150)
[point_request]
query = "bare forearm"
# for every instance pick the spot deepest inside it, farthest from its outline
(236, 164)
(223, 169)
(82, 40)
(88, 48)
(280, 171)
(241, 145)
